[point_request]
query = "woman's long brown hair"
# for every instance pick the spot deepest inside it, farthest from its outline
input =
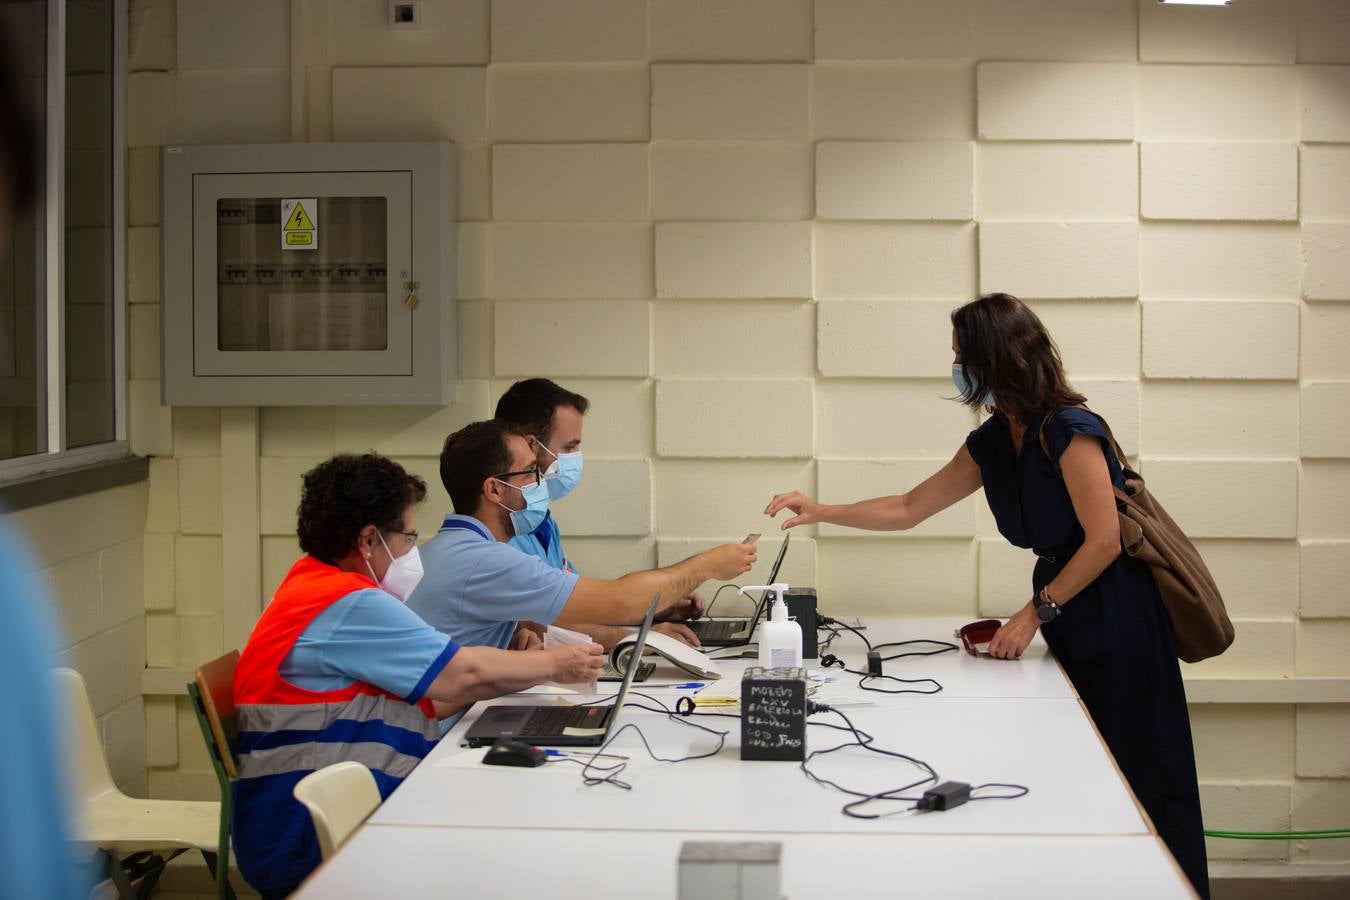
(1007, 352)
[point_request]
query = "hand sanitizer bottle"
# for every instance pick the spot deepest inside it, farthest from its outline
(780, 638)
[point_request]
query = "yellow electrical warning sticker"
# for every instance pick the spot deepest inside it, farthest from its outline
(300, 223)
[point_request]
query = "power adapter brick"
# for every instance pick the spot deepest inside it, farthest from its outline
(948, 795)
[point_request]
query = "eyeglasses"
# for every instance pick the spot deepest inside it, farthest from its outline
(410, 535)
(532, 470)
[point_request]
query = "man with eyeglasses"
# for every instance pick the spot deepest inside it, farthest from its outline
(480, 590)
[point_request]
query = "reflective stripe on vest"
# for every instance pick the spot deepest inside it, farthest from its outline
(378, 757)
(317, 716)
(383, 733)
(276, 715)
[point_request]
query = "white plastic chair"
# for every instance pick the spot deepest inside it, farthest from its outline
(109, 819)
(339, 798)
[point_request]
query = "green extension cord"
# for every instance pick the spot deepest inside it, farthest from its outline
(1323, 834)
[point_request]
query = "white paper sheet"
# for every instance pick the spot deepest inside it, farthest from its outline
(561, 637)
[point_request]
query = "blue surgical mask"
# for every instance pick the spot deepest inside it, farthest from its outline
(564, 473)
(965, 388)
(525, 521)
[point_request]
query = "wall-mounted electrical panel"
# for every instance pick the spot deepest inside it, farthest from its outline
(308, 274)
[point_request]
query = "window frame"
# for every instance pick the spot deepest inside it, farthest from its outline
(51, 202)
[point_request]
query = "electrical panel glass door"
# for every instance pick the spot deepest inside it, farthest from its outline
(307, 275)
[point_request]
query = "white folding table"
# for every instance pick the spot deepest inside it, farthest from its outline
(455, 823)
(525, 864)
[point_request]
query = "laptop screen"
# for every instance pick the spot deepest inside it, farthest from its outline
(773, 576)
(634, 661)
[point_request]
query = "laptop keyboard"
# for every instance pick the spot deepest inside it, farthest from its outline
(551, 720)
(718, 629)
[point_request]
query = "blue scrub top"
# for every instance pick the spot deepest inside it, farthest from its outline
(545, 542)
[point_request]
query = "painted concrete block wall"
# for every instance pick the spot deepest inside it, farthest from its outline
(91, 551)
(740, 228)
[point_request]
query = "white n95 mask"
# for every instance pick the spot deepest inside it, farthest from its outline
(405, 573)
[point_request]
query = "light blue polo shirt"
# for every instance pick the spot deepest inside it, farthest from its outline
(544, 542)
(368, 636)
(475, 588)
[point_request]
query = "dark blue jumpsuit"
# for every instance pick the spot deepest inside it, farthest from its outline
(1113, 639)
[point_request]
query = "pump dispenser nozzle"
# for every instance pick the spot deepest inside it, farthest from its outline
(777, 610)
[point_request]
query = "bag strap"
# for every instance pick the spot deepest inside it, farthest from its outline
(1120, 453)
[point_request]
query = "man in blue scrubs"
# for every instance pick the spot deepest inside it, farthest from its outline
(551, 416)
(478, 589)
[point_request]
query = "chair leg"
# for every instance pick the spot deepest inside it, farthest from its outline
(112, 865)
(224, 890)
(151, 878)
(219, 864)
(136, 876)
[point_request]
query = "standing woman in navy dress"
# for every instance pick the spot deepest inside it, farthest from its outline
(1098, 609)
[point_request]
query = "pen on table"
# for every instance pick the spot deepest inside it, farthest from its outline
(690, 684)
(549, 751)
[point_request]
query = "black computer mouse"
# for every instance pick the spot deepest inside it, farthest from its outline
(508, 752)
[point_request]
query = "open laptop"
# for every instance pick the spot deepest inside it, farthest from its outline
(560, 726)
(730, 632)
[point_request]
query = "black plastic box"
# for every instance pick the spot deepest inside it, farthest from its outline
(773, 714)
(801, 604)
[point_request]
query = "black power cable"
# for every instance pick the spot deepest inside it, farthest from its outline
(869, 680)
(934, 799)
(941, 647)
(866, 682)
(594, 773)
(866, 742)
(707, 611)
(611, 771)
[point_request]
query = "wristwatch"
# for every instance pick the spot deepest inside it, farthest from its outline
(1046, 609)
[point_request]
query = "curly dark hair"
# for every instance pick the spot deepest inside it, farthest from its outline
(345, 494)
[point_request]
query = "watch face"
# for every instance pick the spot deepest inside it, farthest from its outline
(1045, 612)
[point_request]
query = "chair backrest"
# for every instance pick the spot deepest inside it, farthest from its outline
(91, 768)
(339, 798)
(215, 685)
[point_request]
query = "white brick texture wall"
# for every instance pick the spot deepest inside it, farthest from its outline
(740, 229)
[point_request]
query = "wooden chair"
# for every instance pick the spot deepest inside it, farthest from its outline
(212, 695)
